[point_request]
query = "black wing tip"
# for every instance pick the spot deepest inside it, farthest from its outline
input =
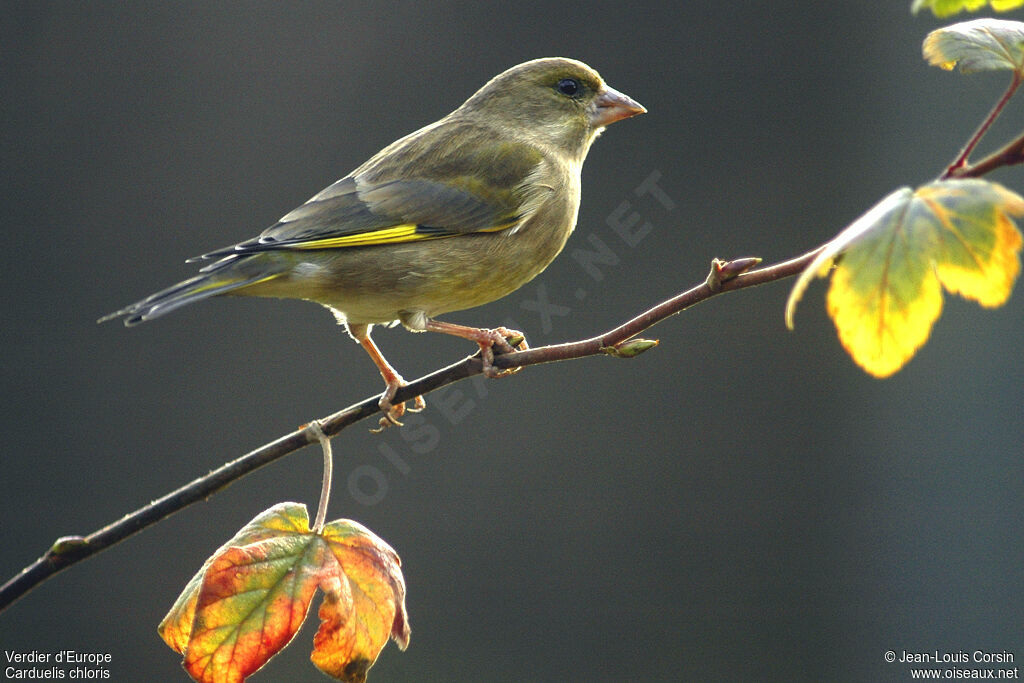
(130, 317)
(249, 246)
(212, 255)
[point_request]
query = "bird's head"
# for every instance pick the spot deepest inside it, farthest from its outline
(551, 102)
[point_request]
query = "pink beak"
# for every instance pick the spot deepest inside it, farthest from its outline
(611, 106)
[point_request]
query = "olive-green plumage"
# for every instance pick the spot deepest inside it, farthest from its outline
(457, 214)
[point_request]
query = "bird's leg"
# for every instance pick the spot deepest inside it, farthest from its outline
(392, 380)
(487, 340)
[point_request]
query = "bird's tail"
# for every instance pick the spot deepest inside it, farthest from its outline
(226, 275)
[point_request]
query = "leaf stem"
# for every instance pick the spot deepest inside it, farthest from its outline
(961, 160)
(325, 484)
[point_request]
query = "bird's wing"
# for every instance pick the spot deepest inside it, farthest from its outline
(421, 187)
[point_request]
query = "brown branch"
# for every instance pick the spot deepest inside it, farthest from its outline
(726, 276)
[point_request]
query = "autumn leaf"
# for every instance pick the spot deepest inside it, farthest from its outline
(979, 45)
(176, 627)
(250, 598)
(945, 8)
(891, 265)
(354, 627)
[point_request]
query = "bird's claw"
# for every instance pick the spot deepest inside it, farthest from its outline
(394, 411)
(499, 338)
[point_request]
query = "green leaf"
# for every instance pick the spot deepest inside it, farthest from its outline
(892, 264)
(945, 8)
(251, 597)
(979, 45)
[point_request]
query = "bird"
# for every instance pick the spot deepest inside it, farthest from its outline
(452, 216)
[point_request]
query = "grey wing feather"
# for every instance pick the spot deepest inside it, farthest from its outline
(370, 200)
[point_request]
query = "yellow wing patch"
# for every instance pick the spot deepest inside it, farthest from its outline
(409, 232)
(398, 233)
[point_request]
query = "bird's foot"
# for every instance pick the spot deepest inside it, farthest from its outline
(393, 411)
(500, 338)
(506, 341)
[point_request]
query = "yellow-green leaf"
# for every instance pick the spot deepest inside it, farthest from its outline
(251, 597)
(979, 45)
(892, 263)
(945, 8)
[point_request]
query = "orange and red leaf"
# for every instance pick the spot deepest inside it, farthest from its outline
(250, 599)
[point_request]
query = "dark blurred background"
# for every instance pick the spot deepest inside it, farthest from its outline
(741, 503)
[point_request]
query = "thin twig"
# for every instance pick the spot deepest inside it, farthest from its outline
(1010, 154)
(961, 160)
(725, 277)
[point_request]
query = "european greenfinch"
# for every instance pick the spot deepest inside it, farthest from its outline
(455, 215)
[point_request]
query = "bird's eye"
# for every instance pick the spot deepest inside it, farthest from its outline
(568, 86)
